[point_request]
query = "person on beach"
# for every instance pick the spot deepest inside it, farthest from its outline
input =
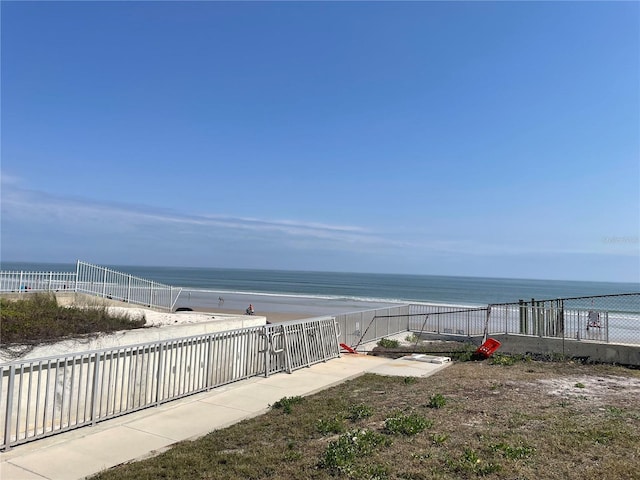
(250, 309)
(594, 319)
(220, 301)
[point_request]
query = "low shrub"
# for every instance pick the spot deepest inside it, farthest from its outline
(437, 401)
(340, 454)
(359, 412)
(401, 424)
(39, 319)
(330, 426)
(388, 343)
(286, 403)
(513, 453)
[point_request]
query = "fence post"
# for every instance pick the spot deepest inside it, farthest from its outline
(267, 351)
(486, 325)
(21, 285)
(104, 283)
(305, 341)
(160, 373)
(7, 418)
(324, 350)
(94, 399)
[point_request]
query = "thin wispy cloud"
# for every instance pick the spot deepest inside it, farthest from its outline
(90, 217)
(34, 206)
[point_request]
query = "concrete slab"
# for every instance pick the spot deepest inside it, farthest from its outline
(85, 456)
(9, 471)
(301, 383)
(403, 367)
(251, 399)
(60, 463)
(188, 421)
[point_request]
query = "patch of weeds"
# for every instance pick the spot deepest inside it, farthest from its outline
(388, 343)
(437, 401)
(285, 403)
(401, 424)
(439, 438)
(579, 385)
(39, 319)
(330, 426)
(375, 472)
(558, 357)
(502, 359)
(413, 338)
(291, 454)
(421, 456)
(600, 437)
(615, 412)
(359, 412)
(340, 454)
(513, 453)
(410, 380)
(465, 355)
(471, 463)
(518, 419)
(495, 387)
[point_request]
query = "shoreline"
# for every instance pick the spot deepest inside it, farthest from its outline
(272, 317)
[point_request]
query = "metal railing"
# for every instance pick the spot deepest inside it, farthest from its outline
(95, 281)
(369, 325)
(23, 282)
(445, 319)
(602, 319)
(46, 396)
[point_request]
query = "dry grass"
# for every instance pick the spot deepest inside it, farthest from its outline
(528, 420)
(38, 318)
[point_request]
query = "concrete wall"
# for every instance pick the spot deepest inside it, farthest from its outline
(137, 336)
(588, 351)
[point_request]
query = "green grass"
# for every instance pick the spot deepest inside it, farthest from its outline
(388, 343)
(498, 421)
(286, 403)
(411, 424)
(39, 319)
(437, 401)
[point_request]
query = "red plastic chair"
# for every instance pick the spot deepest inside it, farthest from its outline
(488, 348)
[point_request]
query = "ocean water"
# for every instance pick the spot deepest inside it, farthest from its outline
(325, 293)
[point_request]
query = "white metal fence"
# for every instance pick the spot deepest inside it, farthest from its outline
(45, 396)
(24, 282)
(597, 323)
(360, 327)
(95, 281)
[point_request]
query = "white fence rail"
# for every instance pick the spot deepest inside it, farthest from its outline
(95, 281)
(45, 396)
(597, 325)
(23, 282)
(360, 327)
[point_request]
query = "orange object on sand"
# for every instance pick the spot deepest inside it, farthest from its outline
(488, 347)
(347, 348)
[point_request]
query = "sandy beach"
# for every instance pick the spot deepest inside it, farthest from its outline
(199, 314)
(272, 317)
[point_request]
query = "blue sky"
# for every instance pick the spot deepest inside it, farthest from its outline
(482, 139)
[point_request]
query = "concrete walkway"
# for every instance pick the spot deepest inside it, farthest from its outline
(80, 453)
